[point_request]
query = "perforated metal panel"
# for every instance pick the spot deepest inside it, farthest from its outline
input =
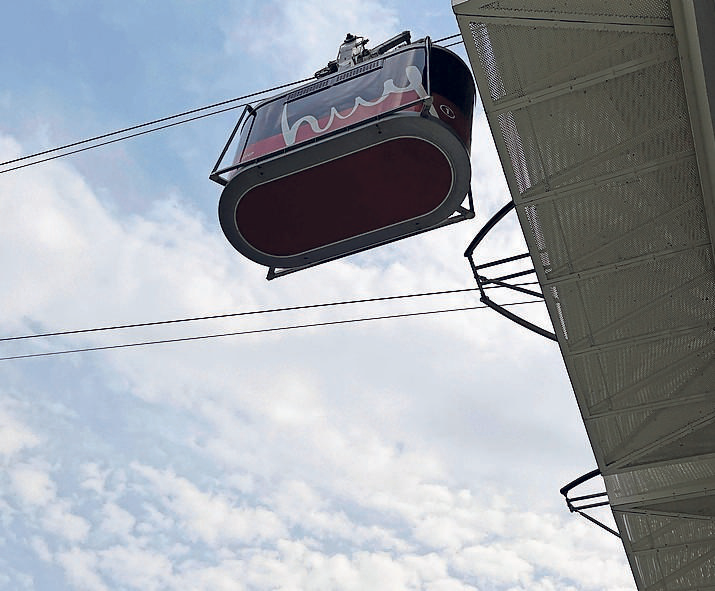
(601, 136)
(624, 11)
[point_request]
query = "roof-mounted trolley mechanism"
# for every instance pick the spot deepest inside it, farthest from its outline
(502, 281)
(373, 151)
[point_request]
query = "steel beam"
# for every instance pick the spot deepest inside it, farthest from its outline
(581, 83)
(652, 378)
(687, 567)
(660, 405)
(635, 261)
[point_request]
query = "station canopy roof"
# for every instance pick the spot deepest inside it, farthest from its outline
(602, 114)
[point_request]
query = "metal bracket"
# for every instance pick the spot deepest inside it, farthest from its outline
(584, 502)
(427, 103)
(404, 37)
(215, 175)
(353, 52)
(502, 281)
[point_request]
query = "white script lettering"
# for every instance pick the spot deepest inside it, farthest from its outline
(414, 76)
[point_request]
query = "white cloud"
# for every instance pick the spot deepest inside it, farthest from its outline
(53, 229)
(116, 520)
(228, 576)
(314, 514)
(61, 521)
(448, 531)
(16, 581)
(301, 36)
(32, 485)
(80, 568)
(213, 518)
(155, 521)
(136, 567)
(39, 545)
(94, 477)
(494, 563)
(14, 435)
(295, 566)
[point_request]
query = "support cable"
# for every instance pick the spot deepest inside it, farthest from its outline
(447, 38)
(247, 313)
(254, 331)
(126, 130)
(235, 314)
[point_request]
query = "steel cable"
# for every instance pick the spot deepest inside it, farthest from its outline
(254, 331)
(126, 130)
(247, 313)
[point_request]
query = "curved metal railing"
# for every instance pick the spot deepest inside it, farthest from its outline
(503, 280)
(583, 503)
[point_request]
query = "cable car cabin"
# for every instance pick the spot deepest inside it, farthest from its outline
(377, 149)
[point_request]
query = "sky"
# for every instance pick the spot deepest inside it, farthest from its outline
(419, 454)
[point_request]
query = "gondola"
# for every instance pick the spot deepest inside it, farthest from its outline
(375, 150)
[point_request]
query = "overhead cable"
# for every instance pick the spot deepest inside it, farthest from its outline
(60, 151)
(246, 313)
(447, 38)
(254, 331)
(237, 314)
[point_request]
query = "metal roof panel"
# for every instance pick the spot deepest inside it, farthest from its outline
(602, 120)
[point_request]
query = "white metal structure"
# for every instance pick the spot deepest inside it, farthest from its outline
(602, 113)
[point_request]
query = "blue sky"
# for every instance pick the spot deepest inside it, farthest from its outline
(404, 454)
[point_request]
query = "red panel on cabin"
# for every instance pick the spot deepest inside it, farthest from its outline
(370, 189)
